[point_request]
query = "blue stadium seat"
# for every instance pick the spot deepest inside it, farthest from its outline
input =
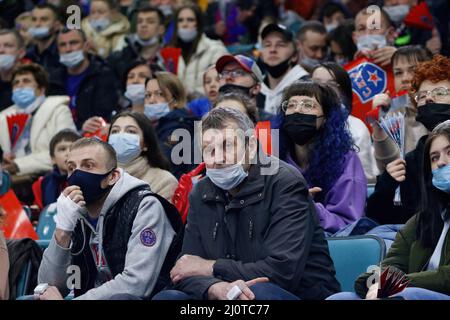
(46, 225)
(353, 255)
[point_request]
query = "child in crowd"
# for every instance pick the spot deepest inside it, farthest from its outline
(47, 188)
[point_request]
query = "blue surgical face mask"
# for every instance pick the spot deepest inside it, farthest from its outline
(371, 41)
(227, 178)
(441, 178)
(23, 97)
(40, 32)
(126, 145)
(89, 183)
(72, 59)
(156, 111)
(100, 24)
(7, 61)
(136, 93)
(187, 35)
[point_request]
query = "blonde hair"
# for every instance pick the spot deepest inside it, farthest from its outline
(167, 81)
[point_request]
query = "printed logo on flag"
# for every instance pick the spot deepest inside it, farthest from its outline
(368, 79)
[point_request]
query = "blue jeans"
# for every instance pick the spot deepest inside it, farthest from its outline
(262, 291)
(407, 294)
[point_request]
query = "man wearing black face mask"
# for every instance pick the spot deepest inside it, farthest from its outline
(431, 94)
(279, 56)
(241, 74)
(121, 236)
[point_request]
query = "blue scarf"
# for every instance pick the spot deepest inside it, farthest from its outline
(52, 186)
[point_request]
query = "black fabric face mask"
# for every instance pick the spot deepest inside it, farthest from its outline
(228, 88)
(90, 184)
(300, 128)
(278, 70)
(431, 114)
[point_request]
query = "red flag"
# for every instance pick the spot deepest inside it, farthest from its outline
(263, 134)
(17, 225)
(171, 57)
(99, 133)
(368, 80)
(420, 17)
(16, 125)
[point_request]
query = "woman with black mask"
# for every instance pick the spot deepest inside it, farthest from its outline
(430, 92)
(318, 144)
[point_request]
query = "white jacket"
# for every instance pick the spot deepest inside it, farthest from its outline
(207, 53)
(361, 138)
(51, 116)
(273, 96)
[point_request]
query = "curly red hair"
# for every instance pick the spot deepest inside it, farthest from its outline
(435, 70)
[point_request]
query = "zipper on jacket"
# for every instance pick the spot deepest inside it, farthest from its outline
(214, 235)
(250, 229)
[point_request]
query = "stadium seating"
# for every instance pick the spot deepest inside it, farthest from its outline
(353, 255)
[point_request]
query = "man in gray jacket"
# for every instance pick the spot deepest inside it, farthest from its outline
(252, 232)
(113, 236)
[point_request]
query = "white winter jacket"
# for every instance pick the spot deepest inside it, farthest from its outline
(207, 53)
(51, 116)
(273, 96)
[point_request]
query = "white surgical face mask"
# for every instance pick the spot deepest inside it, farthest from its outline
(187, 35)
(100, 24)
(330, 27)
(72, 59)
(166, 9)
(40, 32)
(397, 13)
(156, 111)
(7, 61)
(310, 62)
(371, 41)
(227, 178)
(136, 93)
(145, 43)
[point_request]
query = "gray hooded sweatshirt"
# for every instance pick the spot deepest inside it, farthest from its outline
(143, 260)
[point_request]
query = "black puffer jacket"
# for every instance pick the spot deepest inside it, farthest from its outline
(380, 205)
(269, 229)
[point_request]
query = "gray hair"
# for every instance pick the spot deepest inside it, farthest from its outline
(19, 39)
(218, 118)
(442, 127)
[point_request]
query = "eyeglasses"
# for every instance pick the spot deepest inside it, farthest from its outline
(302, 105)
(438, 94)
(233, 73)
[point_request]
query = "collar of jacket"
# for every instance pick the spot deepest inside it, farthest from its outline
(252, 186)
(95, 66)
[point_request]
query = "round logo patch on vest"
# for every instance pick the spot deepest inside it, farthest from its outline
(148, 237)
